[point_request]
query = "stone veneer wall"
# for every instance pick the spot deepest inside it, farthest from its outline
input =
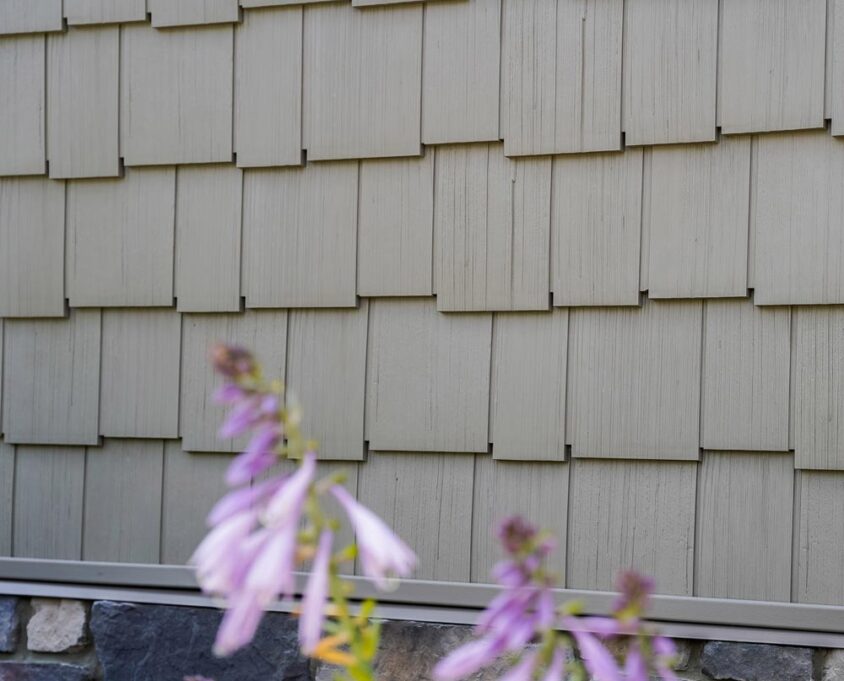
(65, 640)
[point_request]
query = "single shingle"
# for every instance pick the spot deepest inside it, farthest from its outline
(528, 388)
(299, 235)
(461, 71)
(122, 519)
(698, 220)
(30, 16)
(771, 65)
(22, 106)
(362, 81)
(596, 221)
(208, 228)
(51, 379)
(104, 11)
(492, 221)
(268, 88)
(561, 76)
(140, 373)
(670, 55)
(631, 514)
(83, 67)
(744, 516)
(31, 247)
(176, 95)
(427, 378)
(192, 12)
(120, 239)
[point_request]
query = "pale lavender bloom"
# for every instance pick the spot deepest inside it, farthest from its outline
(285, 506)
(271, 573)
(665, 652)
(243, 499)
(257, 458)
(556, 669)
(598, 660)
(382, 553)
(228, 393)
(316, 593)
(523, 671)
(216, 558)
(238, 626)
(468, 659)
(635, 666)
(244, 414)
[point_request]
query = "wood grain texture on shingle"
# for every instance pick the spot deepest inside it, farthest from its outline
(746, 361)
(819, 561)
(744, 519)
(797, 213)
(395, 226)
(427, 499)
(30, 16)
(140, 373)
(192, 12)
(771, 65)
(264, 332)
(561, 76)
(49, 490)
(427, 378)
(634, 381)
(596, 222)
(818, 390)
(536, 491)
(176, 95)
(631, 514)
(209, 201)
(268, 88)
(299, 236)
(698, 220)
(192, 485)
(7, 497)
(362, 81)
(51, 379)
(31, 247)
(22, 106)
(122, 519)
(83, 68)
(834, 95)
(277, 3)
(461, 71)
(104, 11)
(326, 375)
(670, 55)
(120, 239)
(528, 386)
(492, 221)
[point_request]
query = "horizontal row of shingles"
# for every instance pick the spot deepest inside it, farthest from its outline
(707, 529)
(657, 382)
(484, 232)
(347, 83)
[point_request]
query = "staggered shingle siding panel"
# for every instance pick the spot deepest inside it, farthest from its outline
(578, 260)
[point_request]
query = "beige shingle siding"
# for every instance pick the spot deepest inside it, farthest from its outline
(385, 203)
(22, 106)
(744, 517)
(104, 11)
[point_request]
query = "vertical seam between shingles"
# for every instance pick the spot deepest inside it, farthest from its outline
(84, 503)
(564, 581)
(12, 514)
(796, 503)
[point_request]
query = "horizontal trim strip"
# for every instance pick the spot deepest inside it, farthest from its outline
(450, 602)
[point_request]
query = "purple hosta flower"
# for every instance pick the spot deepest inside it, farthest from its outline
(468, 659)
(635, 666)
(599, 662)
(665, 652)
(557, 669)
(634, 593)
(316, 594)
(232, 361)
(383, 555)
(244, 499)
(286, 504)
(219, 556)
(523, 671)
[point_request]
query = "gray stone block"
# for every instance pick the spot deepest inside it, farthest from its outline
(9, 624)
(41, 671)
(57, 626)
(756, 662)
(833, 668)
(169, 642)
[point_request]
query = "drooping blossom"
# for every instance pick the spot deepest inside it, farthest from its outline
(383, 555)
(523, 670)
(557, 669)
(316, 594)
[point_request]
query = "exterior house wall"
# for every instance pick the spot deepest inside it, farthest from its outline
(580, 260)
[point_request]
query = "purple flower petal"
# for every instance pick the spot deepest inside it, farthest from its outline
(467, 659)
(286, 504)
(557, 667)
(635, 667)
(523, 671)
(598, 660)
(238, 627)
(316, 594)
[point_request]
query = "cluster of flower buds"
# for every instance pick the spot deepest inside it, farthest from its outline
(544, 642)
(261, 531)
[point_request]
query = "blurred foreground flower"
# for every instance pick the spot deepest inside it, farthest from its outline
(550, 643)
(262, 531)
